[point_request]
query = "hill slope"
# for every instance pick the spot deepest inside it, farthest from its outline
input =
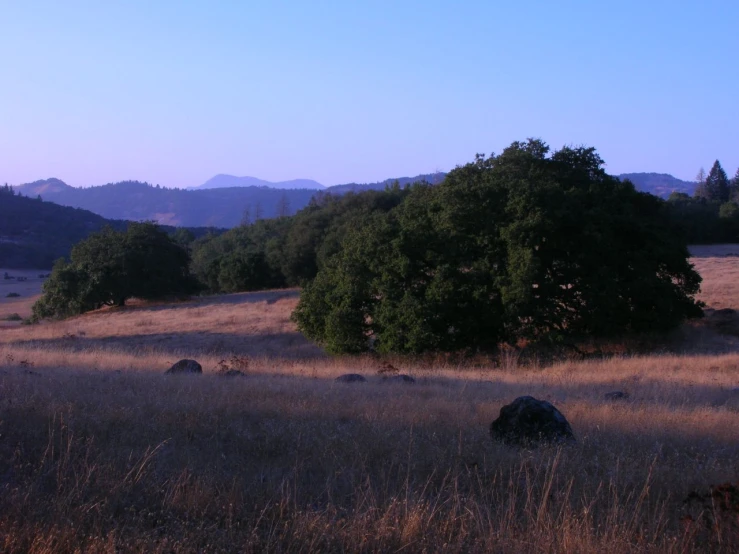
(659, 184)
(33, 234)
(133, 200)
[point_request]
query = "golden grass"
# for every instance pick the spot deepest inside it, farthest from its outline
(101, 452)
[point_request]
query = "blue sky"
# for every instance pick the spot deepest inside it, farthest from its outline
(176, 92)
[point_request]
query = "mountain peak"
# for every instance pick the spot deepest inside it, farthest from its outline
(43, 186)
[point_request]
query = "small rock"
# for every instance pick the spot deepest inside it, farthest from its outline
(402, 378)
(231, 373)
(528, 421)
(616, 395)
(350, 378)
(185, 366)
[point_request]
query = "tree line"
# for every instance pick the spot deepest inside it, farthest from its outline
(528, 244)
(711, 215)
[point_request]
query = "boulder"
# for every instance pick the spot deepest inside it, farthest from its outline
(350, 378)
(402, 378)
(527, 422)
(185, 366)
(616, 395)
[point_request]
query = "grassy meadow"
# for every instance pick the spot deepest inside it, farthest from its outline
(14, 309)
(102, 452)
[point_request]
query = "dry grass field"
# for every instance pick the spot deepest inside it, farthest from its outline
(102, 452)
(27, 291)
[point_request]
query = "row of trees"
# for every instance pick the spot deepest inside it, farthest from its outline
(711, 215)
(252, 214)
(285, 251)
(527, 244)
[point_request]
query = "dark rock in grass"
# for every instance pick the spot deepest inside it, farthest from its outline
(616, 395)
(402, 378)
(529, 422)
(350, 378)
(185, 366)
(231, 373)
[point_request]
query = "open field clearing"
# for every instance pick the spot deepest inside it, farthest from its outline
(27, 289)
(102, 452)
(719, 267)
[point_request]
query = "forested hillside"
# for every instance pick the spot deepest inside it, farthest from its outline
(137, 201)
(34, 233)
(659, 184)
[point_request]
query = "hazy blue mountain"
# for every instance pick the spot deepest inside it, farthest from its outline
(659, 184)
(215, 206)
(224, 181)
(46, 186)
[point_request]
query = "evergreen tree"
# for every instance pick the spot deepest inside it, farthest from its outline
(717, 184)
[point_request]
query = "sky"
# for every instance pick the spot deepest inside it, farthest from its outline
(174, 93)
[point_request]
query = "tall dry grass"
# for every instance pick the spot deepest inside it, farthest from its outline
(101, 452)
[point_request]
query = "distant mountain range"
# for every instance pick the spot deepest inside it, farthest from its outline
(225, 201)
(224, 181)
(213, 204)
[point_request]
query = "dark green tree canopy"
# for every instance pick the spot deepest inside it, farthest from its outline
(110, 266)
(520, 245)
(288, 250)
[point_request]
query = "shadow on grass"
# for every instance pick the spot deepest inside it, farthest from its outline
(268, 296)
(290, 345)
